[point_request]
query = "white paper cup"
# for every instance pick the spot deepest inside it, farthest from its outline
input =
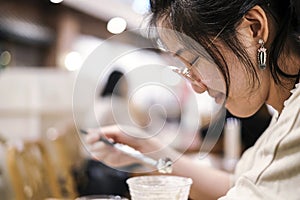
(159, 187)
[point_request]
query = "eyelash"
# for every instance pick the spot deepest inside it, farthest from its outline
(190, 63)
(194, 61)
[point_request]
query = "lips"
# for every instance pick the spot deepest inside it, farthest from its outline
(198, 87)
(220, 99)
(218, 96)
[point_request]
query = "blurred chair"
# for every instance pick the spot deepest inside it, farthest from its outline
(6, 189)
(31, 171)
(63, 143)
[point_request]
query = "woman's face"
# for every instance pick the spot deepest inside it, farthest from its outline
(244, 98)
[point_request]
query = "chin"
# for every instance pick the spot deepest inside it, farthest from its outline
(242, 112)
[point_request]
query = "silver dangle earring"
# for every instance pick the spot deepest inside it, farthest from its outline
(262, 55)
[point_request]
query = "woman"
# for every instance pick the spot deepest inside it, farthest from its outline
(115, 88)
(102, 112)
(251, 48)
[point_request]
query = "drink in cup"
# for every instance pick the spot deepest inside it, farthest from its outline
(159, 187)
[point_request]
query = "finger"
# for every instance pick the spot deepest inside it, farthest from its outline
(109, 155)
(111, 132)
(99, 146)
(100, 150)
(92, 137)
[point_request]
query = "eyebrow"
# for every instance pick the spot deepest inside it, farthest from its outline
(180, 51)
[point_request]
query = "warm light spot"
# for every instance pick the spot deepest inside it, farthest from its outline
(116, 25)
(73, 61)
(141, 6)
(56, 1)
(5, 58)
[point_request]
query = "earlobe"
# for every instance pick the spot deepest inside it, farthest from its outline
(258, 23)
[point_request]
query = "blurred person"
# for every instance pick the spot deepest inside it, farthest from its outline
(254, 46)
(112, 105)
(96, 177)
(101, 113)
(116, 87)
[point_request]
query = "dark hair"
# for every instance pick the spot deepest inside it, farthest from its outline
(110, 87)
(204, 19)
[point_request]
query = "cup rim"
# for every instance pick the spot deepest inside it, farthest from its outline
(188, 181)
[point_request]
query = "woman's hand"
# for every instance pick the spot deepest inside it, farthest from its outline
(134, 138)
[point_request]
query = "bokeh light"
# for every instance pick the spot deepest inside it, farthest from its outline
(73, 61)
(116, 25)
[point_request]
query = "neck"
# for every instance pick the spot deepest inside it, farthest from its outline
(278, 93)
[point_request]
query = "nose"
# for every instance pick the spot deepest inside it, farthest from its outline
(198, 86)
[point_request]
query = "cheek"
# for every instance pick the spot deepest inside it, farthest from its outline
(240, 74)
(210, 76)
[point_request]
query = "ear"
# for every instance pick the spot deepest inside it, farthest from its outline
(255, 24)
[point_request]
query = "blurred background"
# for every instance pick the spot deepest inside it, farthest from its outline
(43, 46)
